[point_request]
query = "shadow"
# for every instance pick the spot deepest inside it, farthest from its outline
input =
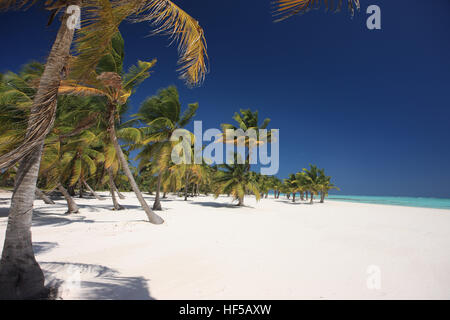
(4, 212)
(91, 281)
(42, 247)
(216, 205)
(44, 219)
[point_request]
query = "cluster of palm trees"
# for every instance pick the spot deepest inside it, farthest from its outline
(82, 151)
(61, 121)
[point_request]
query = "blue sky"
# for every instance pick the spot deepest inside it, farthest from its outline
(371, 107)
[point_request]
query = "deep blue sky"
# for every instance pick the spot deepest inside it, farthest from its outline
(372, 107)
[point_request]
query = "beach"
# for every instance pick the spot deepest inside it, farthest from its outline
(210, 249)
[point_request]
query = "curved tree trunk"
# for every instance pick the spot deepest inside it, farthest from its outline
(43, 197)
(80, 186)
(164, 195)
(71, 205)
(186, 186)
(116, 204)
(20, 274)
(157, 203)
(241, 202)
(121, 196)
(92, 191)
(152, 217)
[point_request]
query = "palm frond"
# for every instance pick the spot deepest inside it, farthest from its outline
(172, 20)
(137, 74)
(287, 8)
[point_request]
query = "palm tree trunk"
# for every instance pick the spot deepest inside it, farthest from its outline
(152, 217)
(157, 203)
(302, 197)
(322, 197)
(121, 196)
(164, 195)
(193, 190)
(312, 198)
(80, 186)
(43, 197)
(92, 191)
(241, 202)
(186, 186)
(20, 275)
(116, 204)
(48, 193)
(288, 195)
(71, 205)
(293, 197)
(306, 195)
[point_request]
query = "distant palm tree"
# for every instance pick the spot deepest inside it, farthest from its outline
(312, 181)
(161, 116)
(234, 179)
(247, 120)
(325, 185)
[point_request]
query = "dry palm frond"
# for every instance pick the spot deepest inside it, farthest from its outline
(110, 79)
(78, 90)
(170, 19)
(287, 8)
(101, 23)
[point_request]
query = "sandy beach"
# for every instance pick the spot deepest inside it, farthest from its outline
(210, 249)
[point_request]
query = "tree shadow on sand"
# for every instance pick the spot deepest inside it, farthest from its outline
(43, 247)
(215, 204)
(41, 218)
(92, 281)
(4, 212)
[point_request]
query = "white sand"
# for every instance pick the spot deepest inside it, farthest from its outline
(208, 249)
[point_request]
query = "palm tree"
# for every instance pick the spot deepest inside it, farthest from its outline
(234, 179)
(109, 82)
(20, 274)
(247, 120)
(161, 115)
(312, 182)
(325, 185)
(292, 185)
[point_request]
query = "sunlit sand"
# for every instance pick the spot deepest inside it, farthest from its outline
(210, 249)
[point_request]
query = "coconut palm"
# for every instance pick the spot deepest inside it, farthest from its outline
(161, 116)
(234, 179)
(20, 274)
(312, 181)
(275, 184)
(247, 120)
(109, 81)
(325, 185)
(292, 185)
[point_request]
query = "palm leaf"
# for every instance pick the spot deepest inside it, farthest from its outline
(172, 20)
(287, 8)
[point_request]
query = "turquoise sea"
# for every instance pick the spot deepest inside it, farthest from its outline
(438, 203)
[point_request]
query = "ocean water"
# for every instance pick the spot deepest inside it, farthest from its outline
(437, 203)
